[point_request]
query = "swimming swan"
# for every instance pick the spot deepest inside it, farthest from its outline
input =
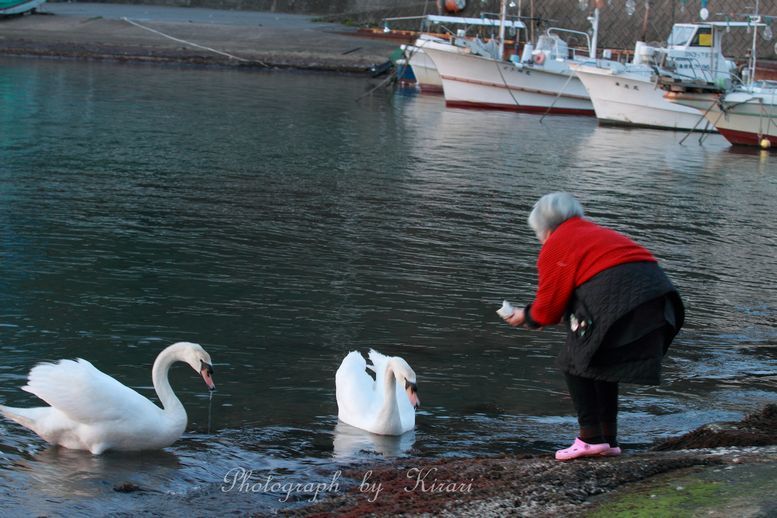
(92, 411)
(385, 405)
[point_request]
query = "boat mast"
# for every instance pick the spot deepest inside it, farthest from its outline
(595, 24)
(502, 16)
(755, 19)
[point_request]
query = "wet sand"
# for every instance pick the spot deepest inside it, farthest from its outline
(176, 35)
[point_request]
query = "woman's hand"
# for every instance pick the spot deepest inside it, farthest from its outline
(518, 318)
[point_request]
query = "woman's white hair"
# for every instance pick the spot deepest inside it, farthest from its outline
(552, 210)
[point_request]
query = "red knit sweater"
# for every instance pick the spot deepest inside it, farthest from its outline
(575, 252)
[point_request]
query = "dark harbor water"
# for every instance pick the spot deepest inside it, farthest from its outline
(281, 224)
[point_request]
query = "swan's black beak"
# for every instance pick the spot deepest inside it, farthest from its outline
(206, 371)
(412, 394)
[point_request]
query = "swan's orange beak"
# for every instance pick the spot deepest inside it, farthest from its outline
(412, 394)
(206, 371)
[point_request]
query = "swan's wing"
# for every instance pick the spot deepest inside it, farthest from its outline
(83, 393)
(379, 362)
(355, 389)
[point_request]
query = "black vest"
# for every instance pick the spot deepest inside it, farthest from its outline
(620, 324)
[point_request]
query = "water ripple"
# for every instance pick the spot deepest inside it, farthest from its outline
(281, 224)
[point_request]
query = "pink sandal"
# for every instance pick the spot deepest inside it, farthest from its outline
(581, 448)
(612, 451)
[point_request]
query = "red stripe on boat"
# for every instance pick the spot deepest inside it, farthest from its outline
(519, 108)
(745, 138)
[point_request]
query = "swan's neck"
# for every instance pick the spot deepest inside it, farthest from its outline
(389, 412)
(172, 406)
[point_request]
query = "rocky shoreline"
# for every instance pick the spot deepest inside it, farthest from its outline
(722, 469)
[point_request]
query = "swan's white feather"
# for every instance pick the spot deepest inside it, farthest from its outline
(355, 391)
(64, 385)
(92, 411)
(361, 398)
(379, 362)
(406, 410)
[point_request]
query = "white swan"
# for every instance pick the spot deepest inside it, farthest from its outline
(92, 411)
(385, 405)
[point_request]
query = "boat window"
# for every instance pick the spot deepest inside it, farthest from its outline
(702, 38)
(680, 35)
(545, 42)
(552, 43)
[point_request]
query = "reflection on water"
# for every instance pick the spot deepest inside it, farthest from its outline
(281, 224)
(61, 473)
(352, 443)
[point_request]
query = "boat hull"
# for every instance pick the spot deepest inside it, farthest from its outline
(427, 78)
(472, 81)
(743, 118)
(631, 99)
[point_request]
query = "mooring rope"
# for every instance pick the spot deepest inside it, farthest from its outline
(231, 56)
(703, 117)
(558, 96)
(498, 64)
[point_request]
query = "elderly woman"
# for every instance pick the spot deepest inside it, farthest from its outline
(620, 309)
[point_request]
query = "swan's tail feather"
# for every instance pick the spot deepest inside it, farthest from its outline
(49, 423)
(24, 416)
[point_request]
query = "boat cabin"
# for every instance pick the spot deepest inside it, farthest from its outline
(695, 50)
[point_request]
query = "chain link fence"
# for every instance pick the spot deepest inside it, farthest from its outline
(621, 22)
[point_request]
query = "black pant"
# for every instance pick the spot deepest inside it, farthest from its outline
(596, 404)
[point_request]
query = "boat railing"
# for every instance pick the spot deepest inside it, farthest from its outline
(697, 70)
(553, 30)
(489, 48)
(453, 24)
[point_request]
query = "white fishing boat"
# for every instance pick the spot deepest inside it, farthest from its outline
(627, 95)
(540, 80)
(448, 34)
(745, 113)
(427, 77)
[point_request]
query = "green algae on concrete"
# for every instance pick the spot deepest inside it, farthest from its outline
(721, 491)
(662, 501)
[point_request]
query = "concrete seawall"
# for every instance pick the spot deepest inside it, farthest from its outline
(156, 34)
(373, 9)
